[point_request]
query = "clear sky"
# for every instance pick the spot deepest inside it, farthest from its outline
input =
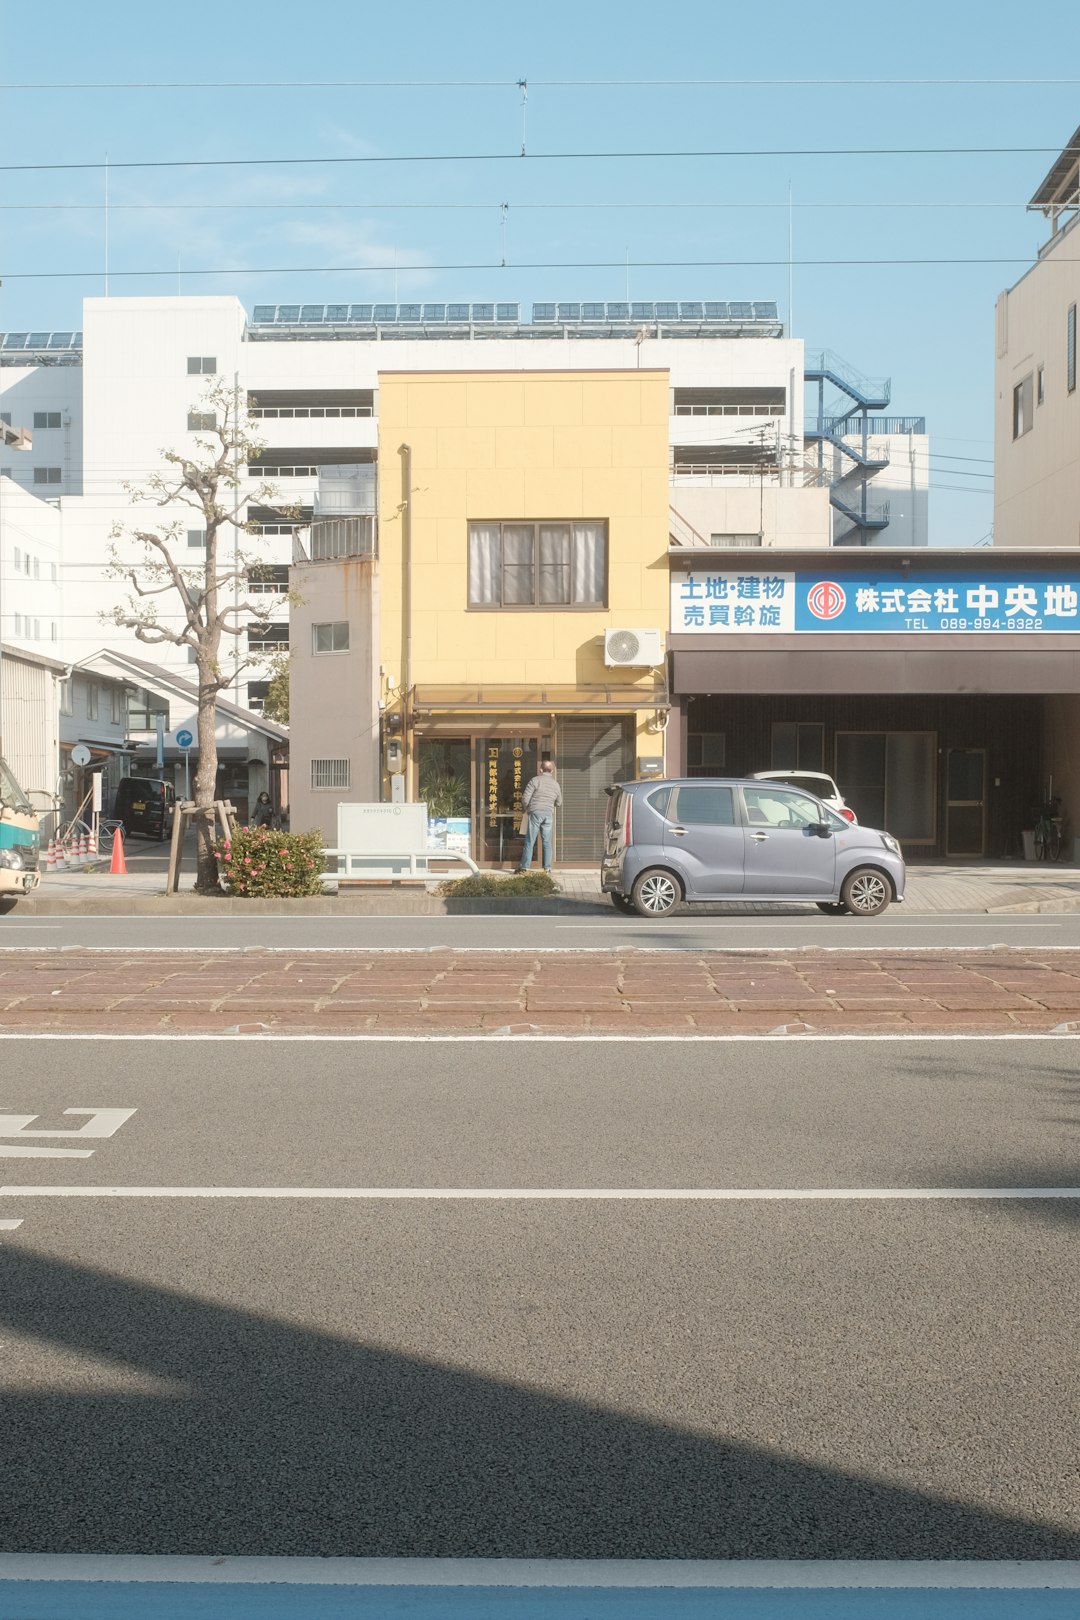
(314, 228)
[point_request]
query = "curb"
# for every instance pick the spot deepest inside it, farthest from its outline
(382, 904)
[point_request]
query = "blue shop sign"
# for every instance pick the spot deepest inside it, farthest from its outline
(708, 602)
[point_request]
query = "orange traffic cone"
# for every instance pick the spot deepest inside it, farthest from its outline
(50, 864)
(118, 867)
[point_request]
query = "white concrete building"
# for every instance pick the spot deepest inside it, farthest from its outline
(1037, 401)
(104, 402)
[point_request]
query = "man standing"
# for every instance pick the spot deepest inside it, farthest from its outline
(541, 799)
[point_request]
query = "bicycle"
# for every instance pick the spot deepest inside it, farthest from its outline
(1048, 831)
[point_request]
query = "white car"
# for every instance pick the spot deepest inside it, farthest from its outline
(816, 782)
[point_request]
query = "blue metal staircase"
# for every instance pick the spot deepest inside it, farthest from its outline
(847, 421)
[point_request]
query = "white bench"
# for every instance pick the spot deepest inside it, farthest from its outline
(383, 866)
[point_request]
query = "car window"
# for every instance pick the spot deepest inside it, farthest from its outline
(706, 806)
(808, 784)
(660, 800)
(781, 807)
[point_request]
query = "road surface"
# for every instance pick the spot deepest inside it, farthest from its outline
(227, 1330)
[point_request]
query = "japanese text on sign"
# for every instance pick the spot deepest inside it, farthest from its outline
(815, 604)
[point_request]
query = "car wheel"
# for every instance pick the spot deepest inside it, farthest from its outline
(832, 908)
(623, 902)
(655, 893)
(866, 892)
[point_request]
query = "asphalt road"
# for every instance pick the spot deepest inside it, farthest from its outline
(596, 932)
(533, 1376)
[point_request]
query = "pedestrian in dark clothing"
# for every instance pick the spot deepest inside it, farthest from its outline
(264, 811)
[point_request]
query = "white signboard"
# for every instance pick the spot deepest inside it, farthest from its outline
(382, 829)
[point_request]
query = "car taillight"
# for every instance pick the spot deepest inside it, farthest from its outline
(629, 818)
(848, 815)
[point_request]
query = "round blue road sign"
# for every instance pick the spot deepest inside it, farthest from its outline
(184, 739)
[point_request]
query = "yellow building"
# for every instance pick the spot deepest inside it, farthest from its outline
(522, 516)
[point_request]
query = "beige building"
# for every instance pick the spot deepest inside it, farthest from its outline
(523, 518)
(1037, 404)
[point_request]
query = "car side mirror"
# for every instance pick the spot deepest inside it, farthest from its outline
(821, 829)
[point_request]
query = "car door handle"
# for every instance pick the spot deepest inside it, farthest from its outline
(680, 832)
(759, 837)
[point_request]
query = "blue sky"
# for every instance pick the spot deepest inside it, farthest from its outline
(928, 327)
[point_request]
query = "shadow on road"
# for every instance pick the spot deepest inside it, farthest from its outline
(287, 1440)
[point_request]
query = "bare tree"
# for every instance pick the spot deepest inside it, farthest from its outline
(204, 605)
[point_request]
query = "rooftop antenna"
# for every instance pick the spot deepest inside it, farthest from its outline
(523, 86)
(106, 225)
(628, 275)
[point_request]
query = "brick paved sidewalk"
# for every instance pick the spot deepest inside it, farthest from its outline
(623, 992)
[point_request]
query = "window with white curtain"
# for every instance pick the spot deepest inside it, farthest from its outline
(548, 564)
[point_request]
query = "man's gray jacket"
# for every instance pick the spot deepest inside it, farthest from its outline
(542, 793)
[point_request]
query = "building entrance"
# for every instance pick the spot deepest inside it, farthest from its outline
(965, 802)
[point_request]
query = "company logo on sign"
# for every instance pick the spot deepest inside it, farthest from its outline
(827, 600)
(711, 602)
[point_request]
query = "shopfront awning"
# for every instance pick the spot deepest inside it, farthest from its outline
(538, 700)
(784, 664)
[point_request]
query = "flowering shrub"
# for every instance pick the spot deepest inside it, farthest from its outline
(258, 861)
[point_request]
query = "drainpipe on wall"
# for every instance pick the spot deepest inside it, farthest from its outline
(405, 452)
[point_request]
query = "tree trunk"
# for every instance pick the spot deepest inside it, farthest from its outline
(206, 872)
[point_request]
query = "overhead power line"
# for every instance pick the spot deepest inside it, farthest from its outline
(494, 264)
(505, 84)
(634, 206)
(541, 157)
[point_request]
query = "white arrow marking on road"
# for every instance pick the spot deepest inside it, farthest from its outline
(8, 1150)
(101, 1122)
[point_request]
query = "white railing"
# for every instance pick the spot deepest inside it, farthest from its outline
(267, 413)
(772, 412)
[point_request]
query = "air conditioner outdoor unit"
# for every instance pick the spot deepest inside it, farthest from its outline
(642, 647)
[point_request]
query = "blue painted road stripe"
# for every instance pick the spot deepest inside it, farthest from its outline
(85, 1587)
(134, 1600)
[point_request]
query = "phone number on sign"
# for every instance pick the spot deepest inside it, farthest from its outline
(990, 624)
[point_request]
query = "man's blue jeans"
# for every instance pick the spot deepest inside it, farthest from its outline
(542, 822)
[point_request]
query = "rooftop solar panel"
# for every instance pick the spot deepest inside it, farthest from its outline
(569, 312)
(592, 312)
(434, 312)
(337, 312)
(765, 312)
(506, 312)
(360, 312)
(741, 312)
(618, 312)
(264, 312)
(288, 312)
(543, 312)
(483, 312)
(716, 312)
(59, 340)
(408, 312)
(641, 312)
(690, 312)
(386, 312)
(38, 340)
(312, 312)
(667, 312)
(457, 312)
(15, 340)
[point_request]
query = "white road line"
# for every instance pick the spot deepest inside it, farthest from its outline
(10, 1226)
(676, 1195)
(811, 1039)
(817, 1573)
